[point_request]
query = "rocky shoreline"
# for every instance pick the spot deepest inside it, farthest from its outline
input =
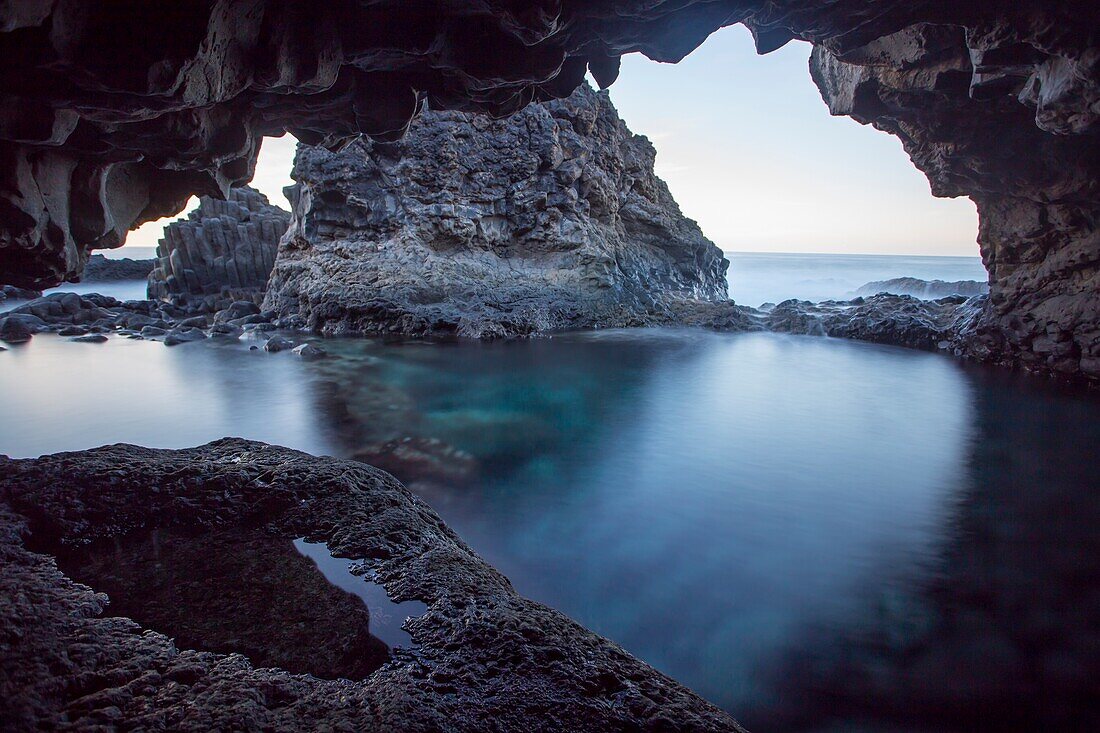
(948, 325)
(485, 658)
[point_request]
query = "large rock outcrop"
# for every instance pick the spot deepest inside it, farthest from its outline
(485, 658)
(996, 100)
(548, 220)
(1004, 112)
(223, 248)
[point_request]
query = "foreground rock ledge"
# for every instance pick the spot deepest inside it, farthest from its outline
(486, 658)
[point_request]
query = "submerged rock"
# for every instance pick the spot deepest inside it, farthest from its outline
(550, 220)
(278, 343)
(309, 352)
(485, 659)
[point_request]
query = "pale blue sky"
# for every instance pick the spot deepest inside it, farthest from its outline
(750, 151)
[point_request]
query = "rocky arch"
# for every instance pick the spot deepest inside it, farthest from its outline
(111, 116)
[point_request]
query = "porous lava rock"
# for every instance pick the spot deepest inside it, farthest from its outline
(485, 658)
(997, 101)
(222, 248)
(551, 219)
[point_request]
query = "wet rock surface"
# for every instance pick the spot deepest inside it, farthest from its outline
(897, 320)
(485, 658)
(229, 591)
(222, 252)
(92, 315)
(550, 220)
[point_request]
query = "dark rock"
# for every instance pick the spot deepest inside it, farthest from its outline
(278, 343)
(225, 330)
(237, 311)
(183, 335)
(152, 332)
(996, 101)
(898, 320)
(485, 659)
(953, 96)
(140, 320)
(223, 248)
(309, 352)
(16, 330)
(103, 301)
(10, 291)
(73, 331)
(991, 100)
(91, 338)
(102, 269)
(552, 219)
(925, 289)
(193, 322)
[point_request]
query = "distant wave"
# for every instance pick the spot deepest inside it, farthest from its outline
(926, 289)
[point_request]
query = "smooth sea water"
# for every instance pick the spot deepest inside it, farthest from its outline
(815, 534)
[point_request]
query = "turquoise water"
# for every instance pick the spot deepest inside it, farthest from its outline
(814, 534)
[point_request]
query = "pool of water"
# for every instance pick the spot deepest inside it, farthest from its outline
(814, 534)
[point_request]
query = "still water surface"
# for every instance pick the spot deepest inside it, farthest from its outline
(814, 534)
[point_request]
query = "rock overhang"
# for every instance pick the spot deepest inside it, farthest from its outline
(997, 101)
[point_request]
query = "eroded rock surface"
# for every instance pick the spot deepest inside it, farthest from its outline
(997, 101)
(549, 220)
(485, 658)
(1003, 112)
(223, 251)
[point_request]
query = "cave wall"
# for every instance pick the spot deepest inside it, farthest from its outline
(112, 113)
(1029, 163)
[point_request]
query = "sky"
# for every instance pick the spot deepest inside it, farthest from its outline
(749, 150)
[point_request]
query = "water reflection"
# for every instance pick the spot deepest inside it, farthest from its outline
(814, 534)
(235, 590)
(1001, 629)
(386, 617)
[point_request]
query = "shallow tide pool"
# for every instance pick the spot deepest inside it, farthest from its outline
(814, 534)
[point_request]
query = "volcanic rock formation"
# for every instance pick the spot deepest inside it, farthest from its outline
(996, 100)
(223, 248)
(485, 658)
(548, 220)
(1004, 112)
